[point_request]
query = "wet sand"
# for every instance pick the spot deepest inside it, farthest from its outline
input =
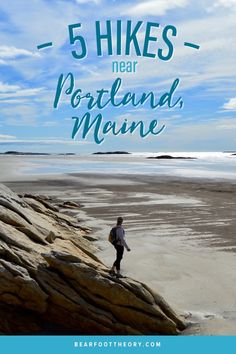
(181, 233)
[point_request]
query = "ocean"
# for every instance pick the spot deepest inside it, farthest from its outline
(210, 165)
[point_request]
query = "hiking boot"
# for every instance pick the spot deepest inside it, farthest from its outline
(119, 276)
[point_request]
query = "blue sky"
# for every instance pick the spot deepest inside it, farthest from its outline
(28, 77)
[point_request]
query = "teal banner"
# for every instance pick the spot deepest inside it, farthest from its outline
(114, 344)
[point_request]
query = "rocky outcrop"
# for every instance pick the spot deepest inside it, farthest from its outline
(169, 157)
(25, 153)
(21, 153)
(52, 282)
(112, 153)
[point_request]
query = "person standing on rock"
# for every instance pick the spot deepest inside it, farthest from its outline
(119, 246)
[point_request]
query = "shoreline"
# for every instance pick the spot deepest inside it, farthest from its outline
(189, 270)
(180, 230)
(208, 168)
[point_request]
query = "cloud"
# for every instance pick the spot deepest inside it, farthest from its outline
(230, 105)
(20, 115)
(209, 72)
(87, 1)
(3, 62)
(5, 137)
(15, 101)
(8, 91)
(13, 52)
(226, 3)
(50, 123)
(52, 141)
(19, 107)
(192, 67)
(203, 136)
(228, 126)
(21, 121)
(4, 87)
(21, 93)
(153, 7)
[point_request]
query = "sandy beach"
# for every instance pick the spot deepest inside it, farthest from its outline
(181, 233)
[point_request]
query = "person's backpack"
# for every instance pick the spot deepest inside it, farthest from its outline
(113, 237)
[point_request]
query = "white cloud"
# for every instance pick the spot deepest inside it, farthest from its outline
(226, 3)
(15, 101)
(21, 121)
(8, 91)
(20, 115)
(213, 66)
(228, 126)
(86, 1)
(18, 105)
(205, 134)
(21, 93)
(3, 62)
(5, 137)
(230, 105)
(43, 141)
(13, 52)
(154, 7)
(50, 124)
(4, 87)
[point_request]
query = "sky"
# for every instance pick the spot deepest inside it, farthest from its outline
(29, 77)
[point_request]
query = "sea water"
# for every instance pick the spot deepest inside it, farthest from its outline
(210, 165)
